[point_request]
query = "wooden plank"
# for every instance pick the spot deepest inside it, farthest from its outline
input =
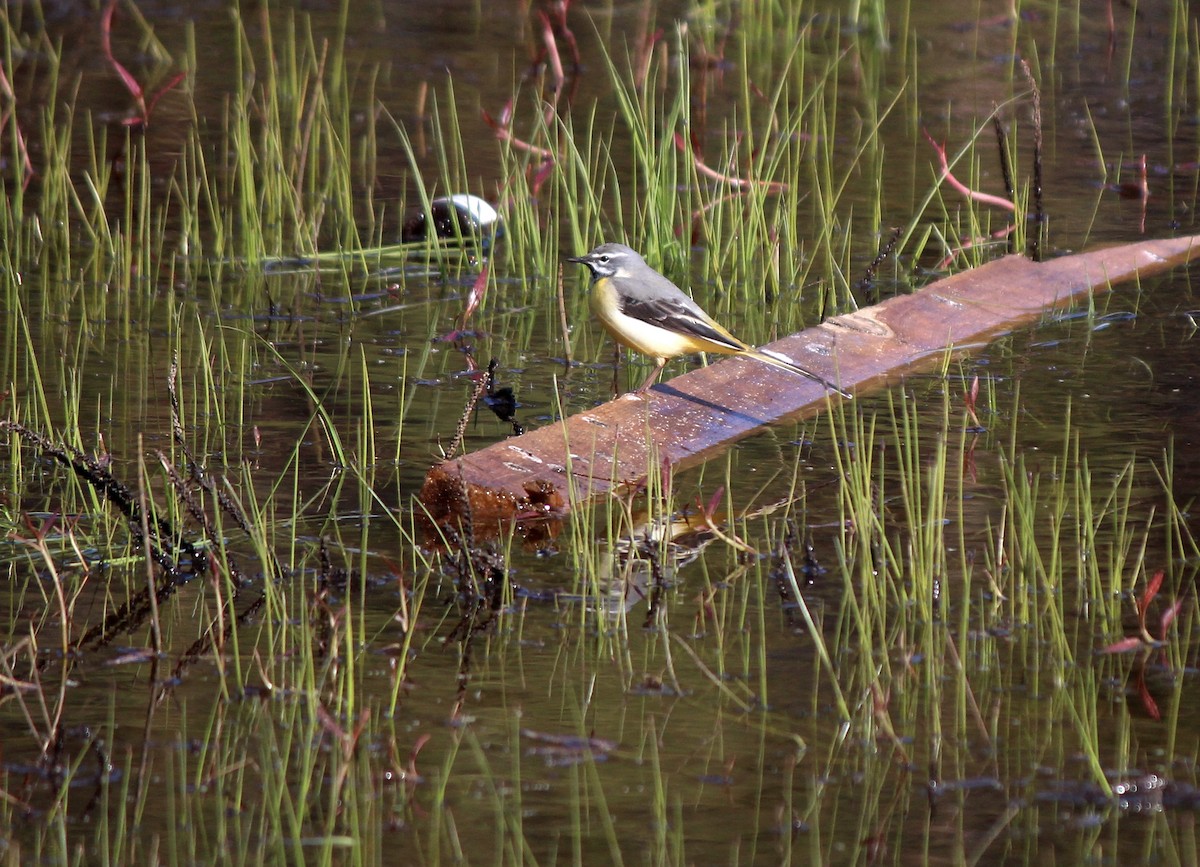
(693, 416)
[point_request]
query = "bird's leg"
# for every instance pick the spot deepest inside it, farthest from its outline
(616, 383)
(645, 386)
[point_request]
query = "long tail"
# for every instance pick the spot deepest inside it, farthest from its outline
(775, 359)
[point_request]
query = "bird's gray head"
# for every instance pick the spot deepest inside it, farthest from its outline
(607, 260)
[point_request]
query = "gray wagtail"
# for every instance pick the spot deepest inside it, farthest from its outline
(645, 311)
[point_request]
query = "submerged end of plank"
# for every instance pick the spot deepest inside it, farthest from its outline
(448, 492)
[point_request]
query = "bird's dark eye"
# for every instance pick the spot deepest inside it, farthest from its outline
(604, 258)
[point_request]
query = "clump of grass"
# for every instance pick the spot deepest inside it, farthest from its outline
(353, 685)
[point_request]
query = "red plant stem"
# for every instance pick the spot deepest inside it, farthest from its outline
(948, 176)
(737, 183)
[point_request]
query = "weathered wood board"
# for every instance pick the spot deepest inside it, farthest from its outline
(693, 416)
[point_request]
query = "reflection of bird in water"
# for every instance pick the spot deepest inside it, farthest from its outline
(648, 560)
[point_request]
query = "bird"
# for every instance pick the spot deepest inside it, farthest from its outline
(646, 312)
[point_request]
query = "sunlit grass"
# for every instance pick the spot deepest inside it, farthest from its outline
(845, 648)
(900, 631)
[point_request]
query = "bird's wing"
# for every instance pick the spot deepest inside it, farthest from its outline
(681, 315)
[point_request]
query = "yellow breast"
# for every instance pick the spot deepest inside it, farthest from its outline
(639, 336)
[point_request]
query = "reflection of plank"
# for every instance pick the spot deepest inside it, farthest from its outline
(692, 416)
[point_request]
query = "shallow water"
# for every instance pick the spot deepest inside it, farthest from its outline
(567, 729)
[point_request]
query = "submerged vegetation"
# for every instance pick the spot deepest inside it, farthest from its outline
(957, 619)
